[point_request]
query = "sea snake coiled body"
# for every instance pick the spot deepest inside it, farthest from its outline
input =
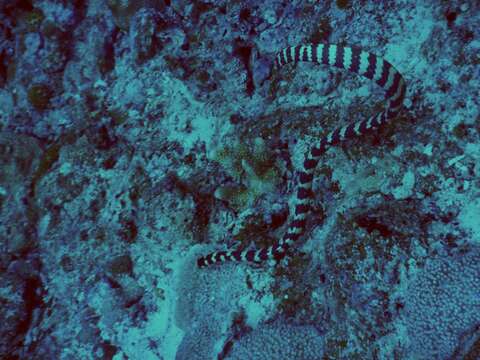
(349, 58)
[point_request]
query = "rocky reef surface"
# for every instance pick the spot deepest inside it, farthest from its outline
(136, 136)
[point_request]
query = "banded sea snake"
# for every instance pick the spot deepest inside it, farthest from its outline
(349, 58)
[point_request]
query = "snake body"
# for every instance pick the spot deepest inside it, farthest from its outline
(349, 58)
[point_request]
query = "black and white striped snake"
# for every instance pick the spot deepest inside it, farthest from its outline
(349, 58)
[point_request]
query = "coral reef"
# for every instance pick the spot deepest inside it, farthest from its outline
(136, 136)
(279, 341)
(442, 304)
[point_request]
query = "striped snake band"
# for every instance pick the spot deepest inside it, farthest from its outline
(349, 58)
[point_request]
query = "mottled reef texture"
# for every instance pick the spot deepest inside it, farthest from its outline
(136, 136)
